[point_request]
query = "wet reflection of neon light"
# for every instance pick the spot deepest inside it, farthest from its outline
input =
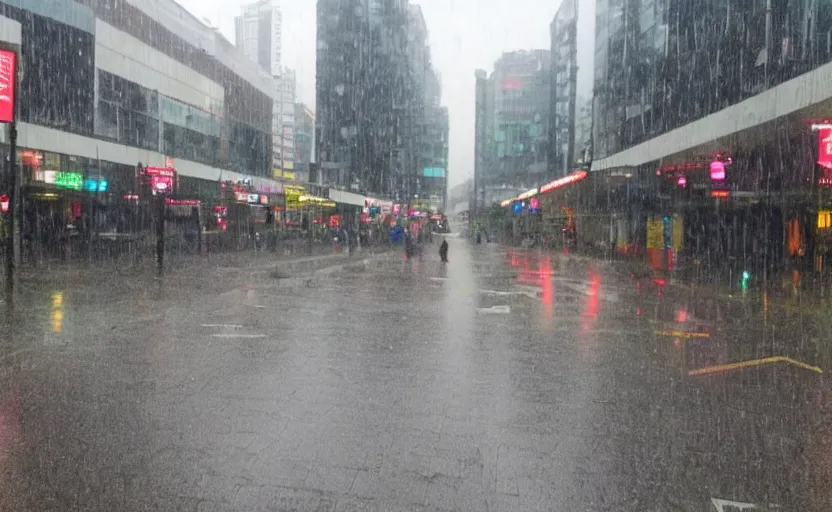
(593, 301)
(57, 319)
(751, 363)
(548, 292)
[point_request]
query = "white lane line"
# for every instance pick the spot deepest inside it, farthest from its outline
(531, 295)
(498, 310)
(726, 505)
(258, 306)
(222, 326)
(240, 336)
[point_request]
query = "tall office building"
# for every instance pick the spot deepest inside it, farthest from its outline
(573, 53)
(363, 95)
(521, 83)
(285, 107)
(258, 32)
(304, 140)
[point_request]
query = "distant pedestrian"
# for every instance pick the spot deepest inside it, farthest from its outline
(443, 251)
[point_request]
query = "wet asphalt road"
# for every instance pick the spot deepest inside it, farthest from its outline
(502, 381)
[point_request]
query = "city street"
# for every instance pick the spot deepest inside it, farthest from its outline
(502, 381)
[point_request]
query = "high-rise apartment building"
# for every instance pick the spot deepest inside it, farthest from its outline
(258, 32)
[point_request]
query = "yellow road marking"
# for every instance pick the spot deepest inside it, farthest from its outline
(682, 334)
(753, 362)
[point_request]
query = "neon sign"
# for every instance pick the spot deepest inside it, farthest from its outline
(562, 182)
(825, 147)
(71, 180)
(527, 194)
(717, 170)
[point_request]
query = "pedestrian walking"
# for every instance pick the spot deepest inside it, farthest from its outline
(443, 251)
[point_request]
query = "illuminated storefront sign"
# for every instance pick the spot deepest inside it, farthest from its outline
(70, 180)
(317, 201)
(161, 179)
(95, 185)
(8, 85)
(292, 194)
(527, 194)
(245, 197)
(717, 170)
(825, 147)
(562, 182)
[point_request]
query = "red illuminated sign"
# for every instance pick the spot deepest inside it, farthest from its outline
(160, 171)
(717, 170)
(4, 203)
(682, 181)
(8, 79)
(825, 147)
(721, 194)
(183, 202)
(562, 182)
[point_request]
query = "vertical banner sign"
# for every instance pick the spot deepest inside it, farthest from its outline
(7, 85)
(825, 147)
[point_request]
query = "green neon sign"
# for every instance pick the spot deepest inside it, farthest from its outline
(73, 180)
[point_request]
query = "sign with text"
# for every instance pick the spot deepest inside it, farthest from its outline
(8, 81)
(825, 147)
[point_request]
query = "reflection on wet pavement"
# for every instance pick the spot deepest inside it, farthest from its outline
(505, 380)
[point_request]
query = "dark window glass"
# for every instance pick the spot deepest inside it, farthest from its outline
(57, 73)
(191, 145)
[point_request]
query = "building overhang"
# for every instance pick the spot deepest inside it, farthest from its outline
(789, 107)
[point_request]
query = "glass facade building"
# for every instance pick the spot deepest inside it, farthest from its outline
(59, 81)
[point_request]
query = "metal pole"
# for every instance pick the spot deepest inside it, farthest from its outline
(11, 213)
(160, 233)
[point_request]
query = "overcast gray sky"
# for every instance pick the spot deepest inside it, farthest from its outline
(464, 35)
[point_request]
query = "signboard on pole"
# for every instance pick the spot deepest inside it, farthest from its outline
(8, 80)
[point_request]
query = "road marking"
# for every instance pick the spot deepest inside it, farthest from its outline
(240, 336)
(222, 326)
(753, 362)
(438, 278)
(531, 295)
(682, 334)
(499, 310)
(722, 505)
(584, 288)
(258, 306)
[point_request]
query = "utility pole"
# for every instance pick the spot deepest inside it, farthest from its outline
(8, 101)
(160, 233)
(10, 214)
